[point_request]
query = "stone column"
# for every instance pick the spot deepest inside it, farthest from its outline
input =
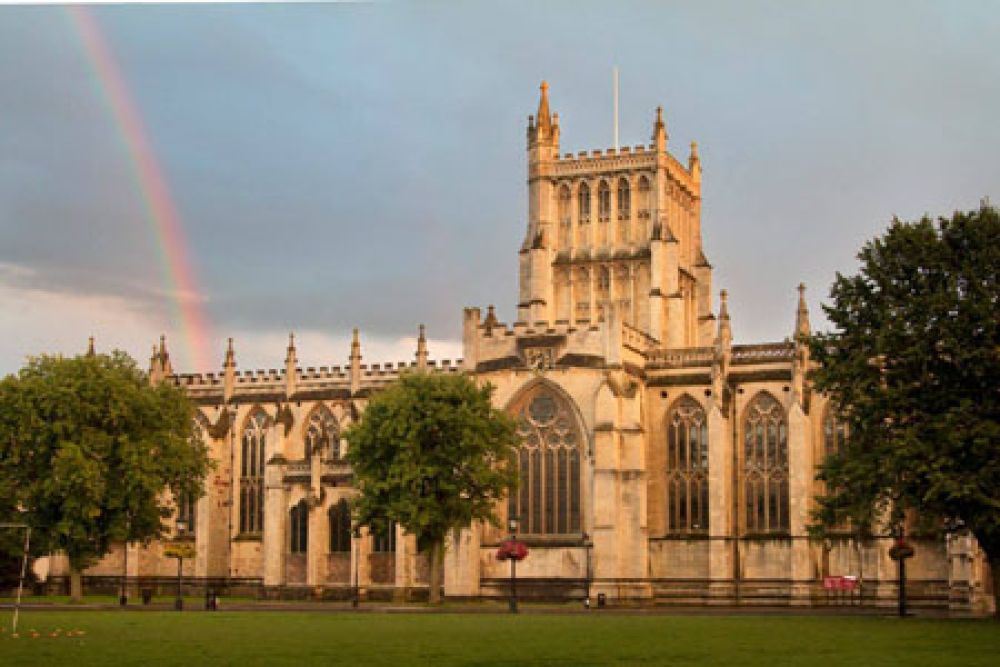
(275, 510)
(202, 513)
(721, 522)
(633, 533)
(316, 546)
(800, 487)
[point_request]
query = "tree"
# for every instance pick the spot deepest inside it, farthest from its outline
(432, 454)
(87, 449)
(914, 362)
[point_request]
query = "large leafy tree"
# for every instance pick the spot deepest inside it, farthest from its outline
(432, 454)
(914, 361)
(88, 448)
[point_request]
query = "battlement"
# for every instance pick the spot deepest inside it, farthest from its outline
(275, 378)
(608, 160)
(608, 152)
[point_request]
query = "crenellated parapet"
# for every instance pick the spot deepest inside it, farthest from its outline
(297, 383)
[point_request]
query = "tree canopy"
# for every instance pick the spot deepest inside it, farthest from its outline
(432, 454)
(914, 362)
(87, 448)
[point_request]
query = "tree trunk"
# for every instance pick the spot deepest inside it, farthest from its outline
(75, 584)
(436, 571)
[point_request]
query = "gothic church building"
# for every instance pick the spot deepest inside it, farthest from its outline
(661, 463)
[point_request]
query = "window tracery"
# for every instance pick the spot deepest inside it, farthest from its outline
(603, 202)
(687, 468)
(644, 204)
(547, 501)
(765, 466)
(624, 199)
(565, 222)
(323, 435)
(252, 473)
(583, 203)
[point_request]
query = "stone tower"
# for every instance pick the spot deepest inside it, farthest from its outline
(621, 228)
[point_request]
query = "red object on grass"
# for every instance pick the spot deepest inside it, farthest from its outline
(512, 550)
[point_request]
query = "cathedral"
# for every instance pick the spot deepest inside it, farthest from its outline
(661, 463)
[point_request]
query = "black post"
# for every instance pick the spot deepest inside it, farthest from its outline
(513, 585)
(179, 602)
(902, 587)
(123, 598)
(356, 598)
(586, 545)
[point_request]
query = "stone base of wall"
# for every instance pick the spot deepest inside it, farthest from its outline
(932, 594)
(160, 586)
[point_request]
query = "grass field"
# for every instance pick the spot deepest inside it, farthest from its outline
(317, 638)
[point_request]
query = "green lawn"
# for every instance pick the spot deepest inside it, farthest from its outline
(318, 638)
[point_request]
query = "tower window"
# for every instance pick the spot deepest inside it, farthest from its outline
(603, 202)
(583, 202)
(624, 199)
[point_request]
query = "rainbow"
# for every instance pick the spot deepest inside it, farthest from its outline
(160, 212)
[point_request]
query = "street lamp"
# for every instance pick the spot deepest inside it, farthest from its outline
(512, 550)
(586, 546)
(356, 553)
(512, 525)
(123, 596)
(899, 552)
(179, 602)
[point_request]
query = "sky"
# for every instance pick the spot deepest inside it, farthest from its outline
(334, 166)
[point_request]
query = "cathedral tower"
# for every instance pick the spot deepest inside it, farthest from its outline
(620, 227)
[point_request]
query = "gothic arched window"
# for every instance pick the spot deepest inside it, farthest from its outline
(565, 222)
(583, 202)
(834, 432)
(687, 467)
(643, 197)
(603, 202)
(624, 198)
(298, 528)
(765, 466)
(340, 527)
(547, 501)
(252, 473)
(322, 434)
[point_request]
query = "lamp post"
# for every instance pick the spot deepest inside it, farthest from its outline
(123, 597)
(899, 552)
(586, 546)
(356, 551)
(512, 524)
(179, 602)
